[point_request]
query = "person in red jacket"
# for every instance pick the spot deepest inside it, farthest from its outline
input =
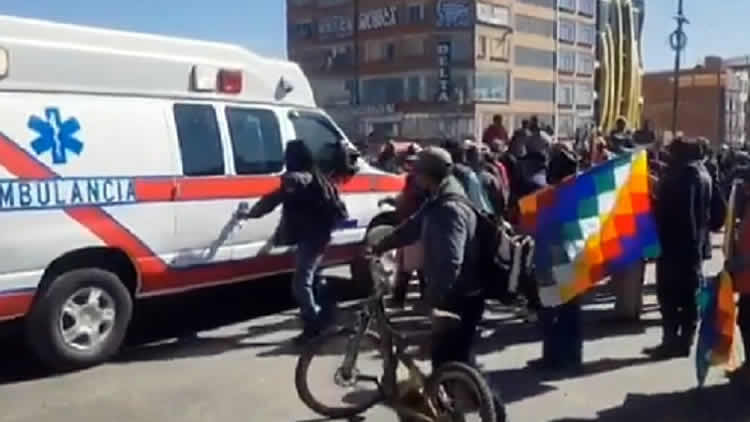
(495, 132)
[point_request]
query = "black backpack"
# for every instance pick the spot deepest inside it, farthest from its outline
(493, 271)
(331, 209)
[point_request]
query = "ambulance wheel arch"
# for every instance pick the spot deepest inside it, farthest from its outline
(82, 309)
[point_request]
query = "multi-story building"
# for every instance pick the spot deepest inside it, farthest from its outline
(443, 68)
(712, 100)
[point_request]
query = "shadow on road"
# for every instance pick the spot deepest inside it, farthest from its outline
(524, 383)
(172, 323)
(721, 403)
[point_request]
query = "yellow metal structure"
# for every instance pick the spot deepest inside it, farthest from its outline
(620, 67)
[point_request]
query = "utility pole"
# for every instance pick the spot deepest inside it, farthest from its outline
(355, 36)
(678, 42)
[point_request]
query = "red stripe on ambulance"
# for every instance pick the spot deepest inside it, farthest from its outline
(156, 276)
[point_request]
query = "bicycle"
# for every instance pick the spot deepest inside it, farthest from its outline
(445, 396)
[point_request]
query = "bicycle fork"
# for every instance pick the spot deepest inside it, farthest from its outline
(348, 370)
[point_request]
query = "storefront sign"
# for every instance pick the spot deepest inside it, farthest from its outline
(492, 14)
(378, 18)
(444, 71)
(335, 27)
(454, 13)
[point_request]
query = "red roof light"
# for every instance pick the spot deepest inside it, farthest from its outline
(230, 81)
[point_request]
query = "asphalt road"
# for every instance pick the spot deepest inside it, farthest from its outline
(240, 368)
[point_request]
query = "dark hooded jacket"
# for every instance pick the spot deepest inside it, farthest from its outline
(683, 210)
(311, 204)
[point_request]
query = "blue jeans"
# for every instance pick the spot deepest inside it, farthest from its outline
(308, 286)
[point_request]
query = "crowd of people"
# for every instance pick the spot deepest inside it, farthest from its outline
(454, 189)
(690, 184)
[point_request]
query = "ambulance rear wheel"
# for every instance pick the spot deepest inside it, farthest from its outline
(80, 320)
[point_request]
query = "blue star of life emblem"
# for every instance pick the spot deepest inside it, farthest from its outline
(55, 135)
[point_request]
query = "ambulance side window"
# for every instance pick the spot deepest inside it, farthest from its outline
(200, 142)
(256, 140)
(316, 131)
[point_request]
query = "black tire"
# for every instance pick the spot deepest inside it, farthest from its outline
(44, 334)
(359, 268)
(469, 377)
(301, 381)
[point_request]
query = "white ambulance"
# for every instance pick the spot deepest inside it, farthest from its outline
(123, 158)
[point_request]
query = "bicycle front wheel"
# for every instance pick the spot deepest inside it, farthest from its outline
(460, 393)
(330, 386)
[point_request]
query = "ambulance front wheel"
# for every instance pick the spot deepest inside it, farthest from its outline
(80, 320)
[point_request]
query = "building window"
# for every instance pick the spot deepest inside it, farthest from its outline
(586, 34)
(462, 47)
(413, 46)
(535, 26)
(529, 90)
(491, 14)
(482, 47)
(390, 52)
(587, 7)
(329, 3)
(567, 31)
(200, 143)
(566, 128)
(416, 13)
(542, 3)
(567, 62)
(302, 30)
(256, 141)
(413, 88)
(382, 91)
(373, 51)
(492, 86)
(584, 95)
(316, 131)
(533, 57)
(569, 5)
(566, 94)
(499, 49)
(585, 64)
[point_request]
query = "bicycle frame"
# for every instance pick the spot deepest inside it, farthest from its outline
(392, 347)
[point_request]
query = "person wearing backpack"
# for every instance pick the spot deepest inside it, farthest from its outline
(448, 225)
(311, 208)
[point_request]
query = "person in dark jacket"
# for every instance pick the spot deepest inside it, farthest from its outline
(489, 178)
(447, 226)
(517, 146)
(468, 178)
(562, 333)
(682, 217)
(307, 221)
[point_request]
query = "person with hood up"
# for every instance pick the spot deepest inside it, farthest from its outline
(682, 217)
(311, 208)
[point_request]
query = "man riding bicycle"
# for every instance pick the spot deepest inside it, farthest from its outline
(447, 228)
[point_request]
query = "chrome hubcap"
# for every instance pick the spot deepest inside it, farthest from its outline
(87, 318)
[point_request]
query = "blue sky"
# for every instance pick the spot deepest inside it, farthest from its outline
(259, 24)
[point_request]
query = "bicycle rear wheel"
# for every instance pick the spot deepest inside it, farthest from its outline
(359, 383)
(460, 394)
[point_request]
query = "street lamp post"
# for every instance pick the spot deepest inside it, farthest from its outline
(678, 41)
